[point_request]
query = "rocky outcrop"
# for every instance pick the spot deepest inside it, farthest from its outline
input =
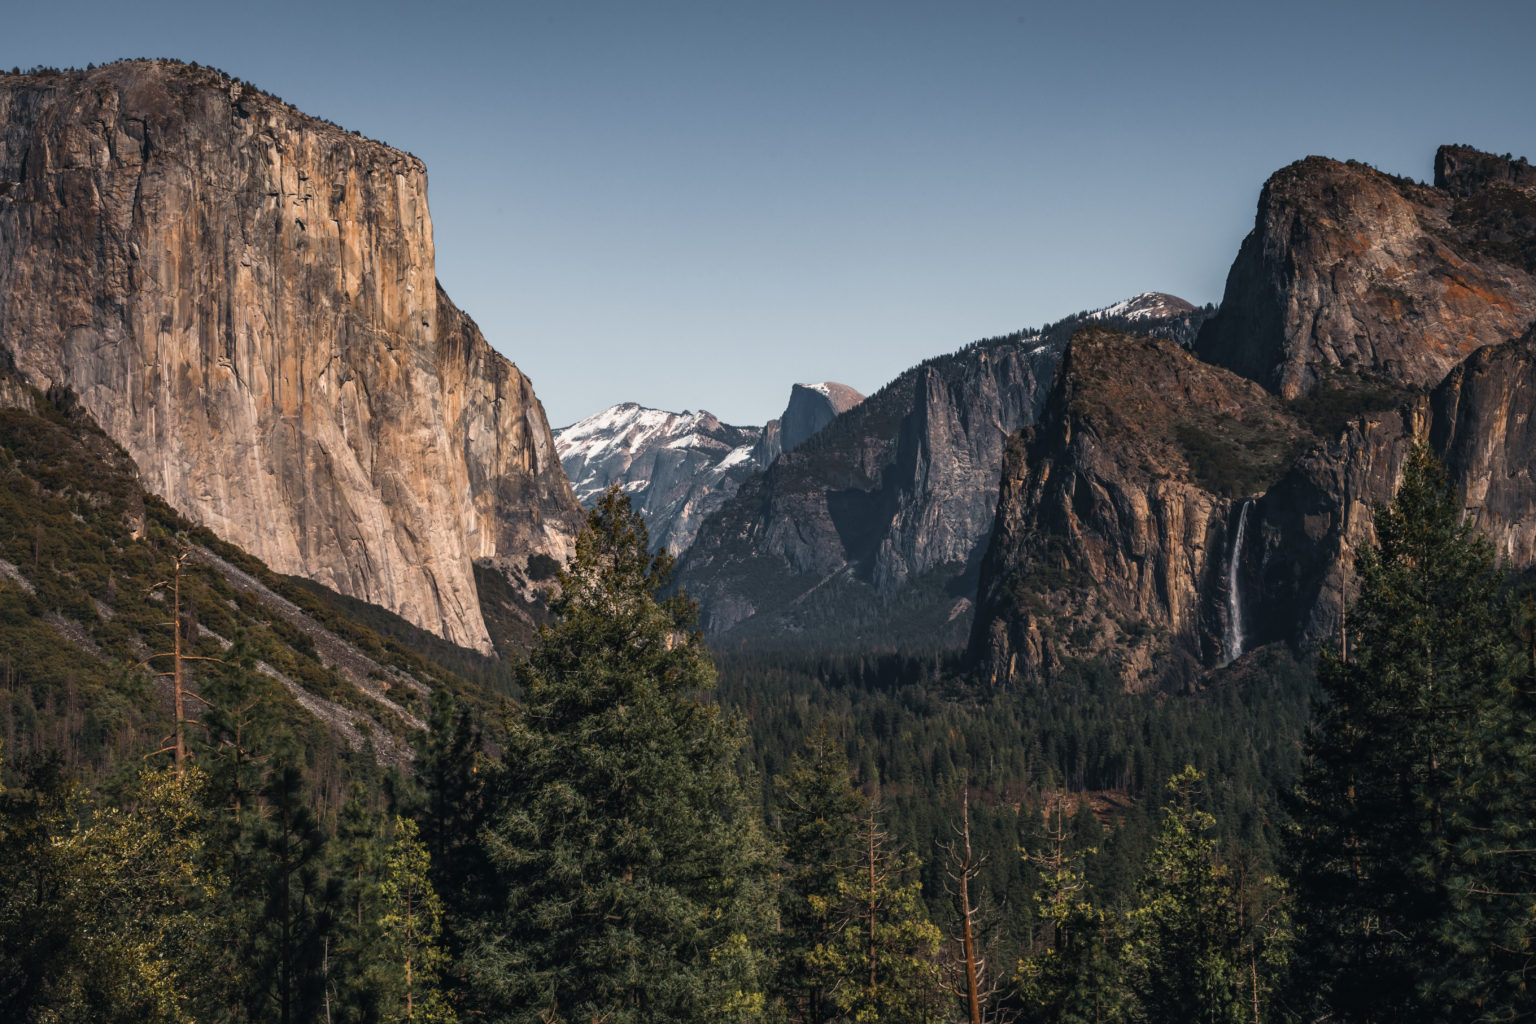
(244, 298)
(811, 407)
(1247, 525)
(876, 519)
(1353, 275)
(676, 467)
(1482, 427)
(518, 501)
(1120, 511)
(871, 533)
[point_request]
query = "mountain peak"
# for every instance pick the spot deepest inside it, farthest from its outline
(1146, 306)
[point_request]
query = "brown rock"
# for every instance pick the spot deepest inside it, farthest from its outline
(244, 298)
(1118, 513)
(1353, 273)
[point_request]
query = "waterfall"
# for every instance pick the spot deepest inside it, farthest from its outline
(1235, 638)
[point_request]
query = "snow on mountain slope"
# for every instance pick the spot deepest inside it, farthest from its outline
(1146, 306)
(676, 467)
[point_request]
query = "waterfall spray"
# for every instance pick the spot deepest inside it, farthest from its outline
(1235, 638)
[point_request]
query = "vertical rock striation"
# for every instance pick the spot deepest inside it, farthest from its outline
(1378, 313)
(1118, 511)
(245, 298)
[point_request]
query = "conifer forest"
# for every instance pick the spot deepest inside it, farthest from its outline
(1170, 663)
(640, 833)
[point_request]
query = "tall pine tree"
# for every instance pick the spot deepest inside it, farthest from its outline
(819, 818)
(632, 862)
(1397, 799)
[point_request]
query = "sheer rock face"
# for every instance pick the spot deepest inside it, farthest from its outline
(901, 486)
(1113, 531)
(244, 298)
(1111, 541)
(811, 407)
(1483, 429)
(1349, 271)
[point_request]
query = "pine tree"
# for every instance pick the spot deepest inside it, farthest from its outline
(885, 954)
(1186, 956)
(819, 817)
(290, 945)
(633, 865)
(39, 922)
(453, 811)
(102, 914)
(1403, 774)
(356, 859)
(407, 976)
(1070, 974)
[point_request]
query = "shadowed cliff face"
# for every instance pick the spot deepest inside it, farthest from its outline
(1114, 539)
(1351, 271)
(897, 492)
(1119, 510)
(244, 298)
(1119, 515)
(871, 532)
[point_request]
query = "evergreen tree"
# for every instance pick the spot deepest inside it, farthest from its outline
(885, 954)
(633, 866)
(1070, 975)
(356, 858)
(1185, 954)
(39, 922)
(406, 977)
(1398, 799)
(451, 813)
(819, 816)
(102, 916)
(290, 937)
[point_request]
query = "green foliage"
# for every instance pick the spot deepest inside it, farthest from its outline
(1342, 398)
(883, 959)
(1070, 972)
(632, 864)
(101, 911)
(1185, 952)
(819, 814)
(1234, 458)
(1404, 821)
(407, 977)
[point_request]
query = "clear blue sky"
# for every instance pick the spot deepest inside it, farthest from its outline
(694, 205)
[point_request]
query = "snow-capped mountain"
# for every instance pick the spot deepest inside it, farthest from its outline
(677, 467)
(1146, 306)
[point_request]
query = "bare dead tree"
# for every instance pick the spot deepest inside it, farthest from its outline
(980, 989)
(177, 742)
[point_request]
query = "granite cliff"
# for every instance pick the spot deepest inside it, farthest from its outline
(811, 407)
(1168, 515)
(1119, 511)
(1352, 273)
(871, 532)
(244, 298)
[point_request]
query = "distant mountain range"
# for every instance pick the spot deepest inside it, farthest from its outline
(1155, 486)
(872, 532)
(678, 468)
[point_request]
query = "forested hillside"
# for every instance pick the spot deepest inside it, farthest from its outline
(844, 838)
